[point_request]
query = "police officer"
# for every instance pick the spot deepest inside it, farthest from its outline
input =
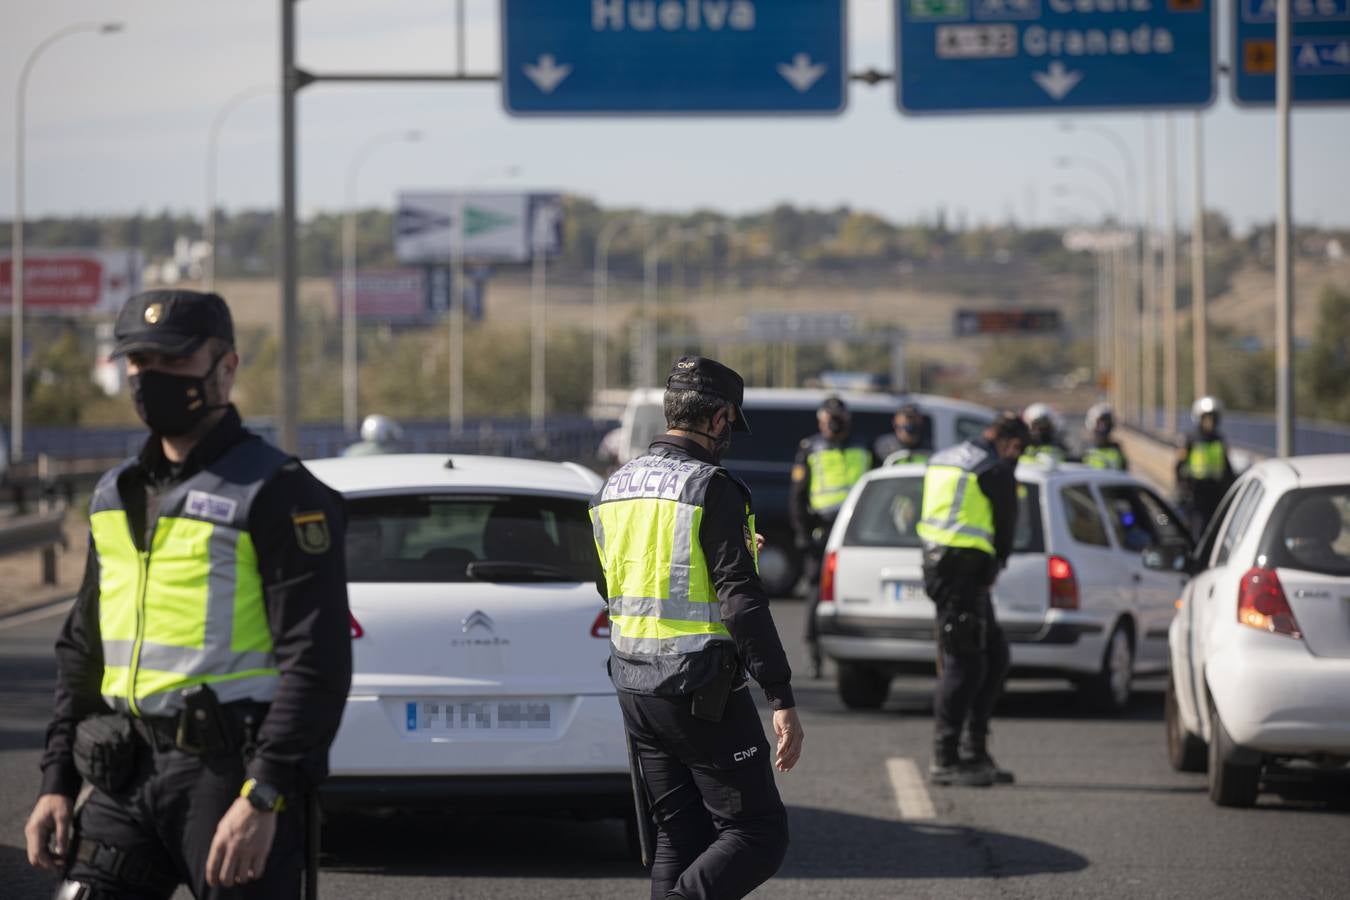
(1045, 443)
(203, 669)
(967, 525)
(1203, 471)
(1102, 452)
(379, 435)
(827, 466)
(689, 620)
(910, 440)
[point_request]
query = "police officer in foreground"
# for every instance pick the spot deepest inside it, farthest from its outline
(1102, 451)
(689, 620)
(967, 525)
(1203, 470)
(827, 466)
(204, 667)
(910, 440)
(1045, 443)
(379, 435)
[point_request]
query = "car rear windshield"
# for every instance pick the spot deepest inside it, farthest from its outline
(1309, 529)
(887, 514)
(426, 538)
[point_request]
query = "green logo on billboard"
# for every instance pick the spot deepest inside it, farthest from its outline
(937, 9)
(478, 221)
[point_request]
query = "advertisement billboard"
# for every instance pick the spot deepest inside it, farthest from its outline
(73, 282)
(498, 227)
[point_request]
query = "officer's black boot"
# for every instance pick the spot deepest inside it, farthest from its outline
(975, 754)
(947, 767)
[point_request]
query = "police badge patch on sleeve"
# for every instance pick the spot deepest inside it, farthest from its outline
(311, 531)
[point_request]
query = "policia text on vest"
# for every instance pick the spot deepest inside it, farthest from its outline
(689, 619)
(204, 666)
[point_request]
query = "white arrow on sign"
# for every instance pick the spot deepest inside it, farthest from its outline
(1057, 81)
(547, 74)
(802, 74)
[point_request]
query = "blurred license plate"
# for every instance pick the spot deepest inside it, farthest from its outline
(906, 591)
(465, 715)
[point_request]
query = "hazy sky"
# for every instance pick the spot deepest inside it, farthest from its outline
(120, 123)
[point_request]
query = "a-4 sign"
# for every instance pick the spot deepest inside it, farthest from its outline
(959, 56)
(674, 57)
(1319, 51)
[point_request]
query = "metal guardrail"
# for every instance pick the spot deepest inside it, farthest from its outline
(36, 531)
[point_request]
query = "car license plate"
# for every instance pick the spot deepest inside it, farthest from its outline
(906, 592)
(477, 715)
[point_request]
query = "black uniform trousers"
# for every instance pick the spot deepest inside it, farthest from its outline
(973, 658)
(721, 826)
(813, 562)
(166, 819)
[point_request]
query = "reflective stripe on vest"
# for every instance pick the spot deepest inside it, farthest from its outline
(903, 457)
(1035, 453)
(646, 522)
(1104, 458)
(956, 513)
(1206, 460)
(834, 471)
(190, 610)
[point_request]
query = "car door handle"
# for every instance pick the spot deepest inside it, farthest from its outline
(1136, 577)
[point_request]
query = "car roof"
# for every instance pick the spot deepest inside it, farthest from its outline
(811, 398)
(1306, 471)
(422, 471)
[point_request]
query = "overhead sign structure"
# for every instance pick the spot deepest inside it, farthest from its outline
(73, 282)
(674, 57)
(1319, 51)
(967, 56)
(498, 227)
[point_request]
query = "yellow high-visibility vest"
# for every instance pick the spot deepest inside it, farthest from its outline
(834, 471)
(189, 609)
(956, 513)
(1207, 460)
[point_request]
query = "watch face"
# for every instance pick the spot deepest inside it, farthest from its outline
(263, 797)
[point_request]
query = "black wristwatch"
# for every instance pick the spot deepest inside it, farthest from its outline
(263, 797)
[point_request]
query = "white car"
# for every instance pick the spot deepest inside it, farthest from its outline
(480, 643)
(1075, 601)
(1261, 642)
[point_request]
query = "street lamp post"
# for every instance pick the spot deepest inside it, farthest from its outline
(600, 308)
(212, 153)
(1169, 311)
(350, 372)
(16, 264)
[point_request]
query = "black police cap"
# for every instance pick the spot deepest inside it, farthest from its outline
(708, 376)
(171, 322)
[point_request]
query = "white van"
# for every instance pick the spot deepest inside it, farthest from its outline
(780, 418)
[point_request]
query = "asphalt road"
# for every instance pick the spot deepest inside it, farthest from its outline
(1096, 812)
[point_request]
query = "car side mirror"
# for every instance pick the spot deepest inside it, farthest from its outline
(1167, 558)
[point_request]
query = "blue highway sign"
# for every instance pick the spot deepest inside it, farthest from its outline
(1319, 51)
(674, 57)
(965, 56)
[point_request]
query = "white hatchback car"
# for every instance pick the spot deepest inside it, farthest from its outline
(1261, 643)
(480, 644)
(1075, 601)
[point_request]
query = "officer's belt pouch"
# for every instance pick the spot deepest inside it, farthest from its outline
(105, 752)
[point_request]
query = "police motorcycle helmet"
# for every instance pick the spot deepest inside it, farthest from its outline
(1098, 413)
(1042, 420)
(378, 429)
(1206, 406)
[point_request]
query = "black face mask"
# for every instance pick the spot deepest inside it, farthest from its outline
(721, 442)
(172, 405)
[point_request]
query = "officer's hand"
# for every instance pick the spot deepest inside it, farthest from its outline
(239, 849)
(52, 817)
(759, 542)
(788, 728)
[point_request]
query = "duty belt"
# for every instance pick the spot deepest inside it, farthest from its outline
(234, 729)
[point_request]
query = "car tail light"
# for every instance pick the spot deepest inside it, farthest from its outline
(1262, 604)
(600, 627)
(1063, 586)
(357, 630)
(827, 576)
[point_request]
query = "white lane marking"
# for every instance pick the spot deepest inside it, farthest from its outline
(59, 608)
(911, 794)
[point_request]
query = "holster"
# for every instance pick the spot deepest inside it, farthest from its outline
(962, 632)
(710, 700)
(105, 752)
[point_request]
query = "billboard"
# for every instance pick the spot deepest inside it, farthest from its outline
(1005, 321)
(389, 294)
(498, 227)
(73, 282)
